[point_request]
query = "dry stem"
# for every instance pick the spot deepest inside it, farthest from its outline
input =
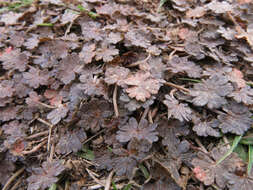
(94, 178)
(35, 149)
(177, 86)
(15, 175)
(37, 135)
(115, 101)
(109, 180)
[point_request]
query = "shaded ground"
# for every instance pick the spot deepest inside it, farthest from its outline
(126, 94)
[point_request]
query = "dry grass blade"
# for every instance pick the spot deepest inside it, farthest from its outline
(94, 178)
(108, 181)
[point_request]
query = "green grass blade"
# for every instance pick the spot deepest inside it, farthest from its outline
(90, 13)
(53, 187)
(144, 171)
(127, 187)
(234, 145)
(46, 24)
(114, 186)
(191, 80)
(162, 2)
(250, 159)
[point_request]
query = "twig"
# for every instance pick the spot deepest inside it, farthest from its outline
(149, 178)
(49, 138)
(68, 29)
(37, 135)
(115, 101)
(226, 141)
(15, 175)
(45, 122)
(177, 86)
(15, 186)
(49, 131)
(109, 180)
(145, 113)
(154, 112)
(51, 156)
(201, 145)
(38, 141)
(139, 62)
(67, 185)
(150, 119)
(90, 163)
(89, 139)
(94, 178)
(36, 148)
(134, 183)
(171, 54)
(93, 187)
(172, 92)
(45, 105)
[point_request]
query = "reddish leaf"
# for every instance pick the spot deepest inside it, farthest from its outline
(143, 86)
(54, 98)
(116, 75)
(237, 76)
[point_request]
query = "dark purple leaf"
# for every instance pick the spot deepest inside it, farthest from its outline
(71, 141)
(177, 110)
(237, 119)
(211, 92)
(44, 177)
(132, 129)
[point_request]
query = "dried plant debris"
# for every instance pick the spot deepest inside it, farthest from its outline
(138, 82)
